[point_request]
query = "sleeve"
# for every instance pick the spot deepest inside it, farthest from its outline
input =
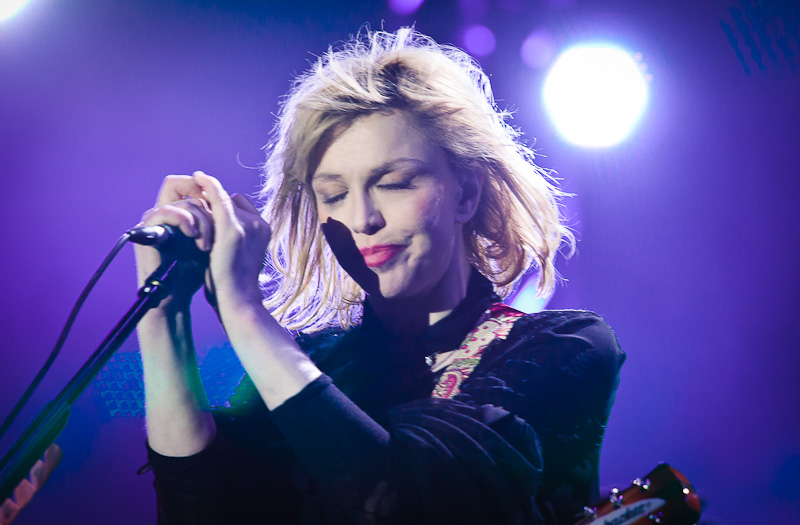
(241, 477)
(436, 461)
(559, 372)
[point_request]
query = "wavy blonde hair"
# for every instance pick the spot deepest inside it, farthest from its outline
(517, 222)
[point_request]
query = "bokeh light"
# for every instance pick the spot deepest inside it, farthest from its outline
(479, 40)
(405, 7)
(595, 94)
(538, 49)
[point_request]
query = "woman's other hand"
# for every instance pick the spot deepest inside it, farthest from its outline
(240, 238)
(180, 204)
(27, 487)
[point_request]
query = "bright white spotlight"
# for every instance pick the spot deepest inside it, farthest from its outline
(595, 94)
(9, 8)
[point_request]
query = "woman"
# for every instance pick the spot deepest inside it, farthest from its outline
(399, 200)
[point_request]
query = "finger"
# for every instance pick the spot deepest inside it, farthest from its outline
(52, 457)
(8, 511)
(249, 214)
(243, 203)
(37, 474)
(24, 492)
(219, 200)
(178, 187)
(172, 215)
(204, 222)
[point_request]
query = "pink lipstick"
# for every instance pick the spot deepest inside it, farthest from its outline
(378, 255)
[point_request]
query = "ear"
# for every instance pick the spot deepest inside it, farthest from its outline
(471, 184)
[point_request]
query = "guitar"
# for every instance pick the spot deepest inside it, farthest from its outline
(662, 496)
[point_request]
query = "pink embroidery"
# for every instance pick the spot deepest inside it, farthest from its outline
(446, 385)
(498, 326)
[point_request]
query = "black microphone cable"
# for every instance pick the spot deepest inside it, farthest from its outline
(167, 239)
(64, 333)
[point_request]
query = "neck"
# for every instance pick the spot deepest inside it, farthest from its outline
(411, 317)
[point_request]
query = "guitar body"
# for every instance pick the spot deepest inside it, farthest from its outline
(663, 496)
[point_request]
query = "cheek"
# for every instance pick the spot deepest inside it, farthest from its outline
(427, 221)
(434, 212)
(418, 217)
(322, 215)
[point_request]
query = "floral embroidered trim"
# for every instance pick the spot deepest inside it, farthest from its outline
(497, 324)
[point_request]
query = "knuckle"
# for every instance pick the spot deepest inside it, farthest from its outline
(168, 213)
(147, 215)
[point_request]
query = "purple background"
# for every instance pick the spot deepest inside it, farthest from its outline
(688, 230)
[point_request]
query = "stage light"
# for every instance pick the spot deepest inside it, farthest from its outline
(595, 94)
(9, 8)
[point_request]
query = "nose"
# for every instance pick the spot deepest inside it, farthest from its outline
(366, 216)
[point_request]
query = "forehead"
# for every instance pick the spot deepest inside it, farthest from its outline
(373, 141)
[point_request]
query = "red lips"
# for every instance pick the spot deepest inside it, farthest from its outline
(378, 255)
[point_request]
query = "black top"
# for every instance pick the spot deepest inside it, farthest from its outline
(366, 443)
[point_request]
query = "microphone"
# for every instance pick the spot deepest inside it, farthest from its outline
(169, 240)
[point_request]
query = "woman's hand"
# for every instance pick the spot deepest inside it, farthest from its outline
(230, 227)
(180, 204)
(27, 487)
(240, 238)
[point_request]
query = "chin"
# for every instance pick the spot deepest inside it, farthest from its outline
(392, 289)
(394, 285)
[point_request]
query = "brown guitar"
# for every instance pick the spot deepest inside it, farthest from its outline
(663, 496)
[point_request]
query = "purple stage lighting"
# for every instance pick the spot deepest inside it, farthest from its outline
(527, 299)
(479, 40)
(538, 49)
(405, 7)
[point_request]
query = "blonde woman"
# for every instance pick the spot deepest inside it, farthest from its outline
(398, 204)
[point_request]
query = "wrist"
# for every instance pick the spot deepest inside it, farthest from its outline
(239, 301)
(164, 328)
(166, 313)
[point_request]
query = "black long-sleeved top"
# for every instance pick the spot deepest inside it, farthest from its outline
(366, 443)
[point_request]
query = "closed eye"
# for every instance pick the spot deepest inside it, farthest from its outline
(333, 199)
(400, 185)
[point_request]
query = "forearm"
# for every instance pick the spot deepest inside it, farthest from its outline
(178, 423)
(278, 368)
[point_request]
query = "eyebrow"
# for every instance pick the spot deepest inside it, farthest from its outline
(377, 172)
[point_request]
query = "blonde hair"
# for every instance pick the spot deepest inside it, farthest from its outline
(517, 222)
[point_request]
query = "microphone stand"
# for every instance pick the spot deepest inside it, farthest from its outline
(52, 419)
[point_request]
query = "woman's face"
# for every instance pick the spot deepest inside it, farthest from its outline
(389, 206)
